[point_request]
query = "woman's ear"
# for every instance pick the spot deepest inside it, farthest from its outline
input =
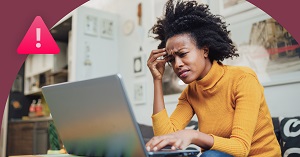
(206, 51)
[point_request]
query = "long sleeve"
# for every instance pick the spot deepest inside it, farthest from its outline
(248, 95)
(181, 116)
(230, 105)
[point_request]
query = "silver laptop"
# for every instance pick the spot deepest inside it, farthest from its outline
(94, 118)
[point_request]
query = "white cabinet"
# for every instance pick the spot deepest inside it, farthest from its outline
(36, 64)
(94, 44)
(41, 69)
(88, 41)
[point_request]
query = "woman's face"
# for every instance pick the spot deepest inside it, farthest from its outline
(188, 62)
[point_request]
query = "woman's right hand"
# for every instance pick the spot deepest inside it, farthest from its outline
(157, 66)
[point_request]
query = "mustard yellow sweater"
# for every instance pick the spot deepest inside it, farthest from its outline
(230, 105)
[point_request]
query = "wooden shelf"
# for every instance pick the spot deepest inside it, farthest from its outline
(62, 73)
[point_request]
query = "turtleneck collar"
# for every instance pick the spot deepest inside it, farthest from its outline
(212, 77)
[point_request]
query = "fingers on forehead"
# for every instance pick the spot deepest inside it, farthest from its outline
(158, 51)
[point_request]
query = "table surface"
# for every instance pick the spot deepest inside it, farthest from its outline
(47, 155)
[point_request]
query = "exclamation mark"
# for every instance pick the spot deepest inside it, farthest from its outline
(38, 37)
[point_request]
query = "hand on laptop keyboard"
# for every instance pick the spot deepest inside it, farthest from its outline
(177, 140)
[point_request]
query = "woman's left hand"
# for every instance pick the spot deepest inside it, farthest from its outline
(178, 140)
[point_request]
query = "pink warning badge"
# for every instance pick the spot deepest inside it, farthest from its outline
(38, 40)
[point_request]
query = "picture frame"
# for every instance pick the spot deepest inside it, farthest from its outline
(91, 26)
(139, 64)
(139, 92)
(266, 47)
(232, 7)
(107, 28)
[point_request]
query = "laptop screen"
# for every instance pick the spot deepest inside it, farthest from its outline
(94, 118)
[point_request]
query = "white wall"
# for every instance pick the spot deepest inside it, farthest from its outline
(282, 99)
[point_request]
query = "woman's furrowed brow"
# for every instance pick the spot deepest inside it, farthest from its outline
(169, 52)
(173, 52)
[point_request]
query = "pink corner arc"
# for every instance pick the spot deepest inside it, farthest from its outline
(38, 40)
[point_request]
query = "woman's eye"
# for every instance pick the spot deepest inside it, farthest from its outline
(182, 54)
(171, 59)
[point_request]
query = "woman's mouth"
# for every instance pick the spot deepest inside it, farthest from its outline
(183, 73)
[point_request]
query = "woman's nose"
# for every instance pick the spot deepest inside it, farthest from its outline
(178, 62)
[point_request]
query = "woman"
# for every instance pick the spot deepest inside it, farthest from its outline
(229, 101)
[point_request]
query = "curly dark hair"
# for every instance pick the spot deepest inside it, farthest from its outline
(206, 29)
